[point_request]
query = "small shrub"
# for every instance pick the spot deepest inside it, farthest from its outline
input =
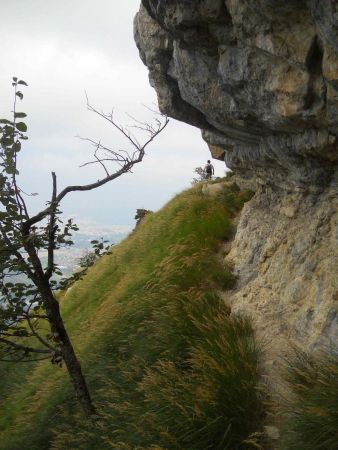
(229, 174)
(140, 215)
(234, 198)
(200, 175)
(87, 259)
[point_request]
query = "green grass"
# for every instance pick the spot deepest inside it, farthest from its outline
(166, 364)
(312, 412)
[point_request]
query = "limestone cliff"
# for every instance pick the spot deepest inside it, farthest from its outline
(260, 79)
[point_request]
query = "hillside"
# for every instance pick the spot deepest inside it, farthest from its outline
(172, 358)
(167, 366)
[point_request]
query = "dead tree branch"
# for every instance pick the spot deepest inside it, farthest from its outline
(126, 160)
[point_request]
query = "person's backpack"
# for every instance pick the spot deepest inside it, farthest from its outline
(208, 168)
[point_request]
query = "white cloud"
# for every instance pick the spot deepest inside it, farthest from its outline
(62, 49)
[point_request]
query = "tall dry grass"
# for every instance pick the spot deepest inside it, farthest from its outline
(311, 414)
(167, 365)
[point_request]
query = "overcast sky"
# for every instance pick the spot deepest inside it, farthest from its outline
(62, 49)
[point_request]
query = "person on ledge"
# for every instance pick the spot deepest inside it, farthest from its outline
(208, 170)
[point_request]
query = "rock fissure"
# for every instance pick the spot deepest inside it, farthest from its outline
(316, 94)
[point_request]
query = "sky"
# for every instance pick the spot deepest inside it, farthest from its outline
(63, 50)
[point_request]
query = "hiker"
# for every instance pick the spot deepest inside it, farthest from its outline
(208, 170)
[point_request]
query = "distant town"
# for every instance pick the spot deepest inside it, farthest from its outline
(68, 258)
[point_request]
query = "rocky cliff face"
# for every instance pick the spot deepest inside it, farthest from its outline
(260, 79)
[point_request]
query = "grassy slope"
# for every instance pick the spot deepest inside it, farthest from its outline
(166, 365)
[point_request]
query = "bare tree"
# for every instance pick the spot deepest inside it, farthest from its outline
(28, 303)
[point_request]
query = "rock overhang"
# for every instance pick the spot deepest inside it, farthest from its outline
(259, 78)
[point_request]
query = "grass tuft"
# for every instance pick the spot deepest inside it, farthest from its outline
(312, 413)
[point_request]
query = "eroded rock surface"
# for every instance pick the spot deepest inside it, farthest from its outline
(285, 254)
(259, 77)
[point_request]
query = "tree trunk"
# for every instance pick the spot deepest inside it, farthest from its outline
(69, 356)
(58, 329)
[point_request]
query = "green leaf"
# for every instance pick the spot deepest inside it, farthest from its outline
(7, 122)
(21, 126)
(10, 171)
(6, 141)
(22, 82)
(8, 130)
(17, 146)
(19, 94)
(20, 115)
